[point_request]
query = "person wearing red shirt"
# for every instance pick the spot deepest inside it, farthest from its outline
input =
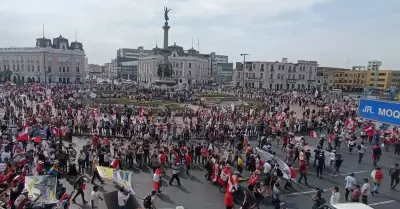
(303, 172)
(95, 140)
(229, 203)
(188, 162)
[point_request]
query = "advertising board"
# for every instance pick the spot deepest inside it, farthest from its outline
(381, 111)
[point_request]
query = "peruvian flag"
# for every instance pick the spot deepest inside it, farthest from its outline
(24, 135)
(349, 124)
(313, 134)
(115, 163)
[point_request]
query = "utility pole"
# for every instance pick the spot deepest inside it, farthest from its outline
(242, 77)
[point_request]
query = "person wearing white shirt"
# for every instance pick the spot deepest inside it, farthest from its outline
(123, 196)
(335, 195)
(350, 183)
(95, 197)
(365, 191)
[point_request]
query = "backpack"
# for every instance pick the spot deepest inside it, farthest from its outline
(147, 201)
(359, 147)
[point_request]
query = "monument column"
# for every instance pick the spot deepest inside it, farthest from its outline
(166, 28)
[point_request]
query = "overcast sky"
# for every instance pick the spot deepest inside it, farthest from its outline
(337, 33)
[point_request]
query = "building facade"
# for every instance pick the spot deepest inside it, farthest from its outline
(224, 73)
(386, 79)
(126, 62)
(374, 65)
(214, 60)
(326, 77)
(350, 80)
(189, 67)
(276, 75)
(56, 61)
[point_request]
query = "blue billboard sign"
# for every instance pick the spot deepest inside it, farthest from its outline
(381, 111)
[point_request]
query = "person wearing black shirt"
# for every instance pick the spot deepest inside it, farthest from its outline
(79, 188)
(146, 152)
(246, 204)
(258, 195)
(394, 173)
(197, 154)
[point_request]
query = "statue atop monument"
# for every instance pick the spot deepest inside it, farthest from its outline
(166, 11)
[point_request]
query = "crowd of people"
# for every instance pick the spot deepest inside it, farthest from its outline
(39, 123)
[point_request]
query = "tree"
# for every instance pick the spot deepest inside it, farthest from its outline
(5, 75)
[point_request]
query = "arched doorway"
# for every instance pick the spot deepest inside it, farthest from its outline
(67, 80)
(15, 79)
(60, 80)
(23, 79)
(29, 80)
(49, 80)
(33, 79)
(63, 80)
(77, 80)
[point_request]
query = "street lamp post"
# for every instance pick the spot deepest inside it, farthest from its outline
(242, 77)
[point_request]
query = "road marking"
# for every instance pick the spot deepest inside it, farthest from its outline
(381, 203)
(307, 192)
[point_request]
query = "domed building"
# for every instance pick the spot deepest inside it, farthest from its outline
(50, 61)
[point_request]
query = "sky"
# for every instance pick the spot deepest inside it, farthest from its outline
(336, 33)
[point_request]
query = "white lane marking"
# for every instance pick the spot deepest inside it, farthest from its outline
(381, 203)
(307, 192)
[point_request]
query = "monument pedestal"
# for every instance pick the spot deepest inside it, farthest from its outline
(165, 84)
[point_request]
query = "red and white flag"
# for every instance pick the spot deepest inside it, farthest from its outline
(141, 112)
(24, 135)
(313, 134)
(349, 124)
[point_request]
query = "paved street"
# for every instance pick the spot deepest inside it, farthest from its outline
(301, 198)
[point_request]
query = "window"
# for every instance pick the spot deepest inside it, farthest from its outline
(283, 68)
(261, 75)
(299, 77)
(49, 69)
(67, 69)
(22, 67)
(29, 68)
(18, 67)
(63, 69)
(13, 67)
(38, 68)
(59, 69)
(77, 69)
(279, 67)
(304, 77)
(190, 72)
(262, 68)
(190, 65)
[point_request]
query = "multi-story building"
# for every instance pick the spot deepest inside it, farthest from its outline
(276, 75)
(95, 71)
(386, 79)
(49, 61)
(374, 65)
(126, 62)
(325, 77)
(189, 67)
(224, 73)
(214, 60)
(350, 80)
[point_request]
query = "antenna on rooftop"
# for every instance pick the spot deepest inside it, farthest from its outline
(43, 30)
